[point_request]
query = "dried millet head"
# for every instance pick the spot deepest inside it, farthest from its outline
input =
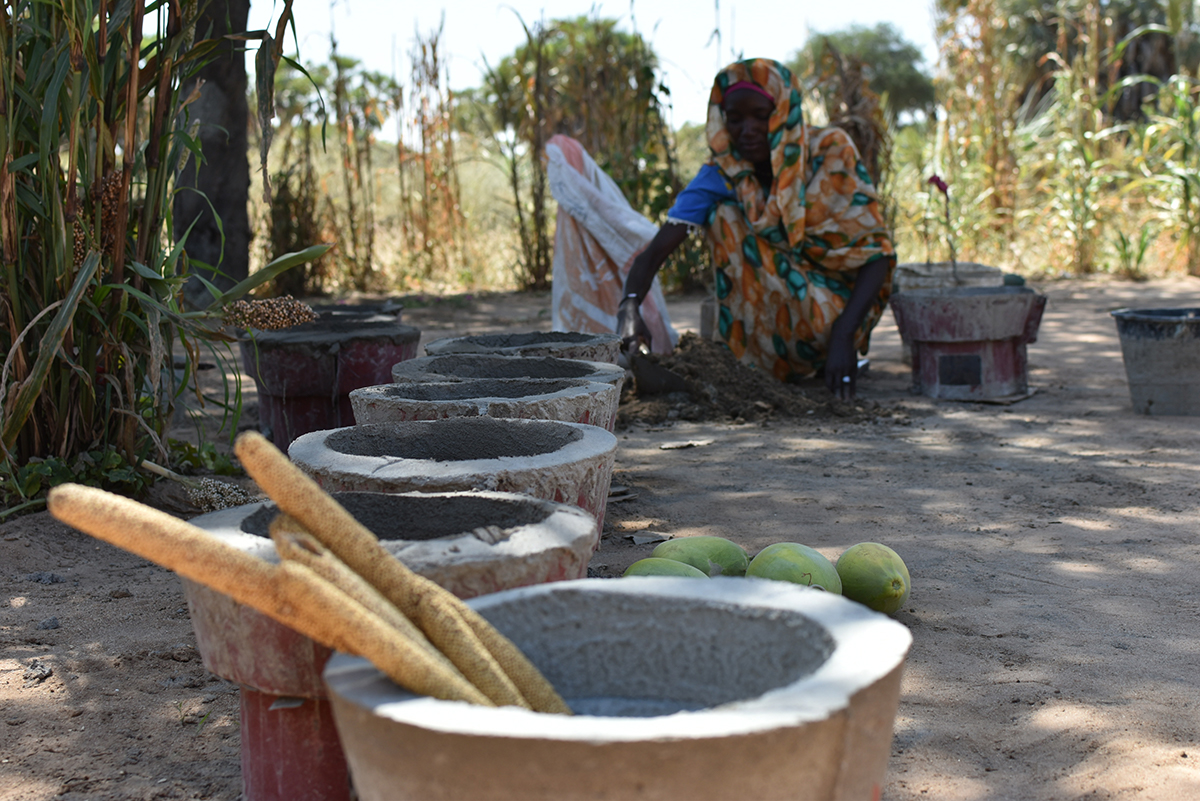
(110, 204)
(209, 495)
(80, 248)
(269, 314)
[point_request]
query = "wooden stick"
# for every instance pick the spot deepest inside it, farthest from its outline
(300, 497)
(539, 692)
(175, 544)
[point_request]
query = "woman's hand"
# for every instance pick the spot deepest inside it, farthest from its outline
(841, 366)
(631, 327)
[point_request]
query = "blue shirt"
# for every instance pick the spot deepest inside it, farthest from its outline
(706, 190)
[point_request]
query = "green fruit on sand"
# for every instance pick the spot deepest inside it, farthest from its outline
(715, 556)
(875, 576)
(799, 564)
(663, 567)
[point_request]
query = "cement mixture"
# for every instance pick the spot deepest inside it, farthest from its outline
(389, 517)
(458, 439)
(1052, 546)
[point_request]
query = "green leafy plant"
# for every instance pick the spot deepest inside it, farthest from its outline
(23, 488)
(1131, 254)
(203, 457)
(185, 717)
(88, 271)
(1167, 160)
(298, 213)
(202, 722)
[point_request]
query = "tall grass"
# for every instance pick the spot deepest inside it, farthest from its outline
(88, 156)
(395, 208)
(96, 344)
(1052, 166)
(1166, 161)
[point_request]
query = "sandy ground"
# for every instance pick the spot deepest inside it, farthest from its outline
(1053, 548)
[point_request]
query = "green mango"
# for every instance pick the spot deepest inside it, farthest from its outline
(663, 567)
(799, 564)
(714, 556)
(875, 576)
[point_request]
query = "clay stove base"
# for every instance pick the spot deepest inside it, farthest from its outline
(970, 371)
(565, 462)
(571, 400)
(304, 374)
(969, 344)
(290, 750)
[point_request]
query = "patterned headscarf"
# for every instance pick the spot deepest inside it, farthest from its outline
(787, 138)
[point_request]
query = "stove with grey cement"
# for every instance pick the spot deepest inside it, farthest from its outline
(684, 689)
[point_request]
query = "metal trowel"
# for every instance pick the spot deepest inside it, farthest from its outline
(651, 378)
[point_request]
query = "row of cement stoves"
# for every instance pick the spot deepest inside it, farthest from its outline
(486, 467)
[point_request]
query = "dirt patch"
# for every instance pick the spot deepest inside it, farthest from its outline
(102, 692)
(722, 389)
(1052, 546)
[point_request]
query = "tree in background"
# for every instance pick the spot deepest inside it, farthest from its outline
(426, 149)
(981, 96)
(393, 207)
(300, 214)
(584, 78)
(691, 148)
(360, 106)
(605, 92)
(1122, 39)
(890, 65)
(508, 111)
(210, 214)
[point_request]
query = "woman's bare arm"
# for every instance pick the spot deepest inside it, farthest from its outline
(842, 361)
(646, 265)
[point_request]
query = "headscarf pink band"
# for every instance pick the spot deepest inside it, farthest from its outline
(752, 87)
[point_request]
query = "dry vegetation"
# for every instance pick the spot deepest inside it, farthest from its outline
(1067, 139)
(1066, 143)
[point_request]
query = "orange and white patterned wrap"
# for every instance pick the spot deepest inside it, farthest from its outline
(786, 265)
(598, 234)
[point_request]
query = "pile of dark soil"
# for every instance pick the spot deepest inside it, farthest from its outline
(720, 388)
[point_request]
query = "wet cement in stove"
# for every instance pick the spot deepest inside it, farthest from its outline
(526, 339)
(399, 517)
(454, 440)
(327, 331)
(487, 388)
(730, 654)
(464, 366)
